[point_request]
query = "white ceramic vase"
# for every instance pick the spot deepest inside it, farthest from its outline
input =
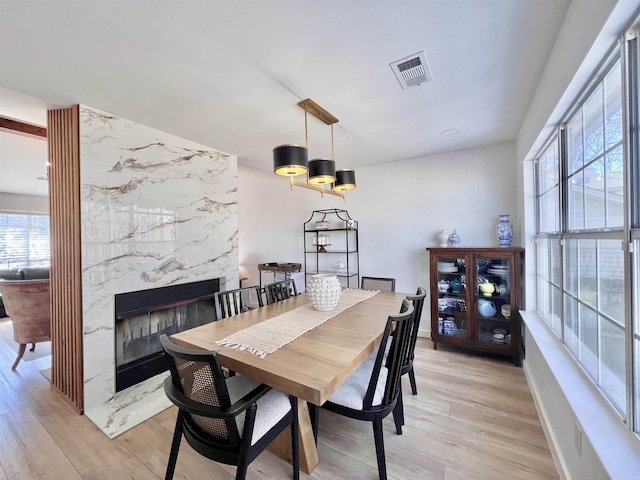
(324, 291)
(443, 238)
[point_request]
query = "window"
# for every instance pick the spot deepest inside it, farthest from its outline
(581, 247)
(548, 241)
(594, 158)
(24, 240)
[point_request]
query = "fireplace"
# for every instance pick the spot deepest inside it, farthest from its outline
(142, 316)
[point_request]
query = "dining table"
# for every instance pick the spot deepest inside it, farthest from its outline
(310, 367)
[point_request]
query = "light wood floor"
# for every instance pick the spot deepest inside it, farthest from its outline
(473, 418)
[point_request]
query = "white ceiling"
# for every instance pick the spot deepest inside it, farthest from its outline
(229, 74)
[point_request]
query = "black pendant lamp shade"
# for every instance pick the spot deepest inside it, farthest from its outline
(322, 171)
(321, 176)
(290, 160)
(345, 180)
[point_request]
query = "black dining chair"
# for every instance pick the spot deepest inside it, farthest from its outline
(407, 363)
(384, 284)
(232, 302)
(228, 420)
(281, 290)
(371, 392)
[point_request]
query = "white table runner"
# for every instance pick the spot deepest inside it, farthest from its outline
(268, 336)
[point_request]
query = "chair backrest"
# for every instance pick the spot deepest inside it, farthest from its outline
(384, 284)
(233, 302)
(400, 325)
(197, 375)
(281, 290)
(418, 303)
(28, 303)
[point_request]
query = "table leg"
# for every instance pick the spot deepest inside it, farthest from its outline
(281, 446)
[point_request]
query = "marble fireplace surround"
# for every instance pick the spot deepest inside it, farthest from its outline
(156, 210)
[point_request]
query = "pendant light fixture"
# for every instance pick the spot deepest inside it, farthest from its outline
(322, 171)
(292, 160)
(345, 180)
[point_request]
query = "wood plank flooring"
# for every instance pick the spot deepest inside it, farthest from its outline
(473, 418)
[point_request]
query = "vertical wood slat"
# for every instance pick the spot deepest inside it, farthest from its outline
(66, 271)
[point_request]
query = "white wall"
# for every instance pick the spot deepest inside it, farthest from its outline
(12, 202)
(400, 208)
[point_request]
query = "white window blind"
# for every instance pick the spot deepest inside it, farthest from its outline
(24, 240)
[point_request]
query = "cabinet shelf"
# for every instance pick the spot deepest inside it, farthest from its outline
(343, 233)
(455, 318)
(339, 275)
(341, 252)
(321, 230)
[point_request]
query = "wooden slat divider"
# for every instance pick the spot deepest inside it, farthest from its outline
(66, 271)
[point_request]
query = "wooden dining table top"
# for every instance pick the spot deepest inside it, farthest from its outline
(313, 366)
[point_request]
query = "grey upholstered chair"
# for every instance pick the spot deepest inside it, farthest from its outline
(384, 284)
(228, 420)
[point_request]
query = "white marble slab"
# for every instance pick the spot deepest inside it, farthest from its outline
(156, 210)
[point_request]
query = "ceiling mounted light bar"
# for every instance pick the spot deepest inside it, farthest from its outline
(292, 160)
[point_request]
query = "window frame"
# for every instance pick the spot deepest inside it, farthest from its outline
(629, 145)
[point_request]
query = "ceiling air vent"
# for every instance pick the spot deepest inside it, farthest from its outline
(412, 70)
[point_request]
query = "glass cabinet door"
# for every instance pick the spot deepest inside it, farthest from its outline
(452, 297)
(494, 299)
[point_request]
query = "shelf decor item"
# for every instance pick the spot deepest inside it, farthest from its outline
(324, 291)
(443, 238)
(454, 239)
(321, 241)
(504, 231)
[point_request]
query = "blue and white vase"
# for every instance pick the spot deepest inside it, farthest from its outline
(504, 231)
(454, 239)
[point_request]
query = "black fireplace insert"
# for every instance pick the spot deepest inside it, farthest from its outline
(142, 316)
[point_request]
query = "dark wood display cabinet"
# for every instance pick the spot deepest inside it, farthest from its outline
(475, 297)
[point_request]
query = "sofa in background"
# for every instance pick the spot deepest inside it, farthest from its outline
(30, 273)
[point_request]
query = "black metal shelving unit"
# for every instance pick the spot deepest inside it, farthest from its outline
(343, 231)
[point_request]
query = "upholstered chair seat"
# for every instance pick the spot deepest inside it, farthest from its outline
(272, 407)
(352, 392)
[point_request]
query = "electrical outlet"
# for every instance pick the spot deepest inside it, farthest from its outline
(577, 439)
